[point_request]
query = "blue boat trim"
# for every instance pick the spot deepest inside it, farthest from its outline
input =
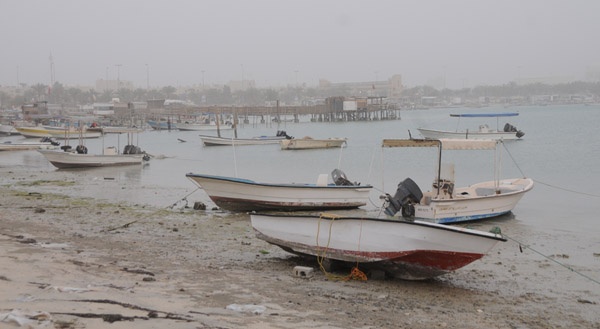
(449, 220)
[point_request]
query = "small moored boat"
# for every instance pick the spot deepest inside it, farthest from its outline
(509, 132)
(307, 143)
(236, 194)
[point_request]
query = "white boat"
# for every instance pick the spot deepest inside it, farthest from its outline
(186, 126)
(236, 194)
(259, 140)
(79, 158)
(446, 203)
(62, 159)
(411, 250)
(483, 132)
(57, 132)
(45, 143)
(162, 124)
(306, 143)
(8, 130)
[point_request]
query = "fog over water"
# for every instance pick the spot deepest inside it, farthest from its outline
(459, 43)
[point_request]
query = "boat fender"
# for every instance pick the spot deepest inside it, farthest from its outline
(81, 149)
(407, 194)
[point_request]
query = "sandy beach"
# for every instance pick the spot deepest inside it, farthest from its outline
(77, 262)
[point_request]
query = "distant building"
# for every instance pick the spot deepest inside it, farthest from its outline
(386, 88)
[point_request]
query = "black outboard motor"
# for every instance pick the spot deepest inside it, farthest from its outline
(49, 140)
(510, 128)
(81, 149)
(407, 193)
(340, 179)
(132, 149)
(283, 133)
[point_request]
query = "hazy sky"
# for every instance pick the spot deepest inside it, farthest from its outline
(279, 42)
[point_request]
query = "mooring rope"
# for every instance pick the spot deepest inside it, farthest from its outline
(183, 199)
(355, 274)
(522, 245)
(549, 185)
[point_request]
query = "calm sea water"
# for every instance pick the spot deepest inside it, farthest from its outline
(560, 151)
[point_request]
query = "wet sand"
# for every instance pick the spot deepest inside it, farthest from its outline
(76, 262)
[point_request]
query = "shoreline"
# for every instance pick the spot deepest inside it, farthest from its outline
(86, 262)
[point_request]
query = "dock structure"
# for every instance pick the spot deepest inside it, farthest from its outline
(335, 109)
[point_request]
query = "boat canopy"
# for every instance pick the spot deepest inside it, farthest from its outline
(485, 115)
(447, 144)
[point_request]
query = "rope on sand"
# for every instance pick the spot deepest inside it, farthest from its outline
(183, 199)
(522, 245)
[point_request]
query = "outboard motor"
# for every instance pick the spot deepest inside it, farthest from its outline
(49, 140)
(510, 128)
(340, 179)
(407, 193)
(81, 149)
(132, 149)
(283, 133)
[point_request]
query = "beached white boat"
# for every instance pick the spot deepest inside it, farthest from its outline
(79, 157)
(45, 143)
(411, 250)
(57, 132)
(236, 194)
(483, 132)
(307, 143)
(446, 203)
(62, 159)
(258, 140)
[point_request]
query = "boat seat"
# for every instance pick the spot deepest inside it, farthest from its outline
(322, 180)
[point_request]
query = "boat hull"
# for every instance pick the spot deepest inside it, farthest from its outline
(40, 132)
(162, 125)
(223, 141)
(406, 250)
(241, 195)
(440, 134)
(8, 130)
(75, 160)
(26, 146)
(307, 143)
(475, 202)
(202, 127)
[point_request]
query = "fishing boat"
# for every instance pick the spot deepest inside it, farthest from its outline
(509, 132)
(195, 126)
(6, 129)
(58, 132)
(445, 203)
(307, 143)
(234, 141)
(410, 250)
(44, 143)
(241, 195)
(162, 124)
(79, 157)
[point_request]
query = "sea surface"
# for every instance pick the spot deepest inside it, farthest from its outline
(560, 152)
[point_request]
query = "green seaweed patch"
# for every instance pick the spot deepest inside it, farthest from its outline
(47, 182)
